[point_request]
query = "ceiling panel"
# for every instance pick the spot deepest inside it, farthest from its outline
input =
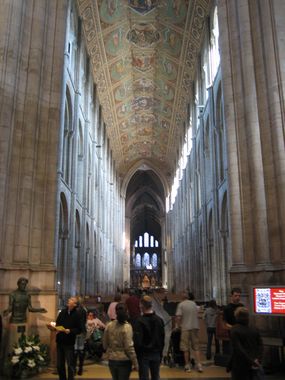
(143, 54)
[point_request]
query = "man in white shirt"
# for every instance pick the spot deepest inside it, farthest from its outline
(187, 320)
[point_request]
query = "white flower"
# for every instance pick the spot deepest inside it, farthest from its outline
(36, 348)
(28, 349)
(31, 363)
(18, 350)
(29, 342)
(41, 358)
(15, 359)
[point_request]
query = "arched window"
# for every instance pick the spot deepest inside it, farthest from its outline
(138, 260)
(67, 139)
(89, 179)
(146, 260)
(146, 239)
(214, 44)
(198, 177)
(220, 155)
(80, 162)
(87, 260)
(77, 245)
(154, 260)
(62, 248)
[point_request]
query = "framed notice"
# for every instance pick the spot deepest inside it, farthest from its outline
(269, 300)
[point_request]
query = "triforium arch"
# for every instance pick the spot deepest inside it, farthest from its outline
(144, 164)
(225, 259)
(62, 245)
(145, 228)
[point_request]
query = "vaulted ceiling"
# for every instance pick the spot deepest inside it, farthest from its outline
(143, 55)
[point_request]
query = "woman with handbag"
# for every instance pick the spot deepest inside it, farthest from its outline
(93, 324)
(94, 328)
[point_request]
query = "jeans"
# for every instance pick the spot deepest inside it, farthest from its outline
(149, 362)
(120, 369)
(211, 331)
(65, 354)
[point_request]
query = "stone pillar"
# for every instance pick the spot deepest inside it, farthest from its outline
(127, 252)
(252, 62)
(32, 37)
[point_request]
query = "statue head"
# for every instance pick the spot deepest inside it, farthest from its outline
(22, 283)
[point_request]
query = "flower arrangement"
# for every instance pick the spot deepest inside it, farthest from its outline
(28, 356)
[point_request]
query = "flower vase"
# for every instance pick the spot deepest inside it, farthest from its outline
(24, 374)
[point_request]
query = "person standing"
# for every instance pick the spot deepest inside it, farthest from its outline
(133, 306)
(149, 338)
(112, 307)
(210, 317)
(119, 346)
(229, 310)
(68, 325)
(79, 346)
(187, 320)
(247, 347)
(229, 318)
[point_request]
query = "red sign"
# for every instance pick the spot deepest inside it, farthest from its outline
(269, 300)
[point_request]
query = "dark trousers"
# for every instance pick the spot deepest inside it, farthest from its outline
(149, 362)
(120, 369)
(65, 354)
(211, 332)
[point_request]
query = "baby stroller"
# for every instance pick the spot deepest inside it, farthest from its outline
(175, 356)
(94, 345)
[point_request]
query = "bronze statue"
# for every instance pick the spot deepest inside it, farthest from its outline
(19, 302)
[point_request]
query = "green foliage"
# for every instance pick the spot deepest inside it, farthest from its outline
(28, 355)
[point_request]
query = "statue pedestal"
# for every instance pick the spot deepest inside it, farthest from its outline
(14, 331)
(52, 349)
(11, 336)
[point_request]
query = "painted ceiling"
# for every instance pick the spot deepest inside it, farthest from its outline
(143, 55)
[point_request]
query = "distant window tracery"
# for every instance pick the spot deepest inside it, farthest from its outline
(146, 260)
(138, 260)
(154, 260)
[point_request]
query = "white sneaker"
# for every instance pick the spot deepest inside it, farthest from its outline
(199, 367)
(187, 368)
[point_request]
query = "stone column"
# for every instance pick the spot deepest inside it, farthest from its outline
(32, 35)
(252, 57)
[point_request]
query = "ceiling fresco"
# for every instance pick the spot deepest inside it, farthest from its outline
(143, 54)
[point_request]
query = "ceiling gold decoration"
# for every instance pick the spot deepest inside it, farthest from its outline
(144, 54)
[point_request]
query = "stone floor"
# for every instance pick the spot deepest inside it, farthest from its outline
(211, 372)
(102, 372)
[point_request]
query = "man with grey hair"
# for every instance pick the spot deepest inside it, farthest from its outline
(68, 325)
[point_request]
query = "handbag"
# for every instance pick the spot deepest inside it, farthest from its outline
(97, 335)
(258, 374)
